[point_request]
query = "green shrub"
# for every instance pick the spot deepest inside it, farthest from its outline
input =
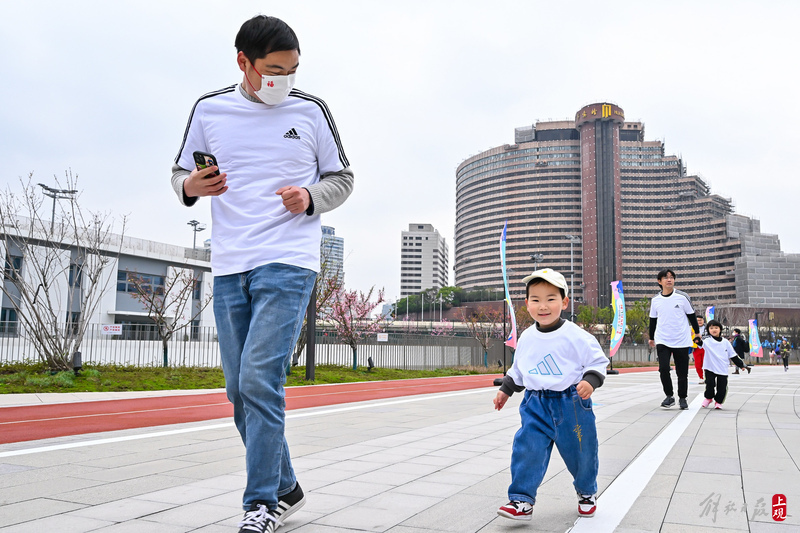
(64, 379)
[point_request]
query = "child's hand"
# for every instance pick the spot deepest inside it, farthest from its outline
(500, 400)
(584, 389)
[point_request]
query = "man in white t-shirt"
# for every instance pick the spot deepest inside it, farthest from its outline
(280, 164)
(671, 314)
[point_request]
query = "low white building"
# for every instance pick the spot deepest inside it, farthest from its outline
(153, 262)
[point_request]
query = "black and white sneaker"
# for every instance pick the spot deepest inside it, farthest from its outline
(683, 403)
(587, 505)
(669, 401)
(259, 519)
(289, 503)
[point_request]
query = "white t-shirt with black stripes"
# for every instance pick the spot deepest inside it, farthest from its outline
(262, 148)
(673, 328)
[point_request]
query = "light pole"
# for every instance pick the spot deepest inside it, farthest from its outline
(56, 194)
(537, 258)
(573, 239)
(196, 227)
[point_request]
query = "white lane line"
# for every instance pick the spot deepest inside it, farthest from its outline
(626, 488)
(291, 415)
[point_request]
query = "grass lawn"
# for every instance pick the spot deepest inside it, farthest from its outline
(33, 378)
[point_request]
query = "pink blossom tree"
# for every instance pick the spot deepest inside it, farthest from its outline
(444, 329)
(350, 313)
(485, 325)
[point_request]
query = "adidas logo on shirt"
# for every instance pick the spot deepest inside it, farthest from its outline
(676, 305)
(546, 367)
(291, 134)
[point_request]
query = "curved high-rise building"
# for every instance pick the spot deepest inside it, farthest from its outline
(592, 198)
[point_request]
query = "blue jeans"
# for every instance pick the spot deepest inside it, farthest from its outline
(548, 417)
(259, 315)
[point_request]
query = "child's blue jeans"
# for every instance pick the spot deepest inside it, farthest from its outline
(548, 417)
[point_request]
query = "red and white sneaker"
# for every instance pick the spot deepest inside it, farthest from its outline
(706, 402)
(717, 405)
(586, 505)
(516, 510)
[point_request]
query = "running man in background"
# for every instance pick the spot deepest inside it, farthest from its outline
(670, 312)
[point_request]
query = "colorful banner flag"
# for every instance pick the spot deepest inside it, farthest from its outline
(756, 349)
(620, 318)
(511, 341)
(710, 313)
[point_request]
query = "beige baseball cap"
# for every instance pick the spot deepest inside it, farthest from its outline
(550, 276)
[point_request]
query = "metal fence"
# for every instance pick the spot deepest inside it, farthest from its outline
(139, 345)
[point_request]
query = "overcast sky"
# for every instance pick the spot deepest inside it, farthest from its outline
(105, 89)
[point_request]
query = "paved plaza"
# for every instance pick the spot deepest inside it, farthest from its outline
(431, 463)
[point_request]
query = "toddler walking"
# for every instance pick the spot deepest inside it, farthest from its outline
(718, 352)
(559, 366)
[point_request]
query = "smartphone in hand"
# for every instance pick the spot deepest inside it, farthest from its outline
(204, 160)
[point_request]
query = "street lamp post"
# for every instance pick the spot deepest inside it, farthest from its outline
(537, 258)
(196, 227)
(573, 239)
(56, 194)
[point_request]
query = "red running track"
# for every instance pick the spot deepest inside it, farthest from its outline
(35, 422)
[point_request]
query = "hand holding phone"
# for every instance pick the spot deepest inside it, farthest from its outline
(203, 181)
(204, 160)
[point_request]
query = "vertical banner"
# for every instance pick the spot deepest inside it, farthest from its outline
(511, 341)
(710, 313)
(620, 319)
(755, 344)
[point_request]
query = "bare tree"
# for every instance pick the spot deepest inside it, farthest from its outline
(524, 319)
(56, 271)
(170, 307)
(328, 283)
(485, 325)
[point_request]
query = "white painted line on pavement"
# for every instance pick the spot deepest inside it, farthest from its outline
(627, 487)
(290, 415)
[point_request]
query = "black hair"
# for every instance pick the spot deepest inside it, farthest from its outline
(699, 316)
(539, 281)
(737, 330)
(262, 35)
(714, 323)
(663, 274)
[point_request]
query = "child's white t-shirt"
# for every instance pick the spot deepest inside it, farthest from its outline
(718, 355)
(262, 148)
(556, 360)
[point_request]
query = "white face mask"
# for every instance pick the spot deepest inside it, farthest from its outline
(275, 89)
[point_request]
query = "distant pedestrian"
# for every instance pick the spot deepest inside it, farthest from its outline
(786, 350)
(698, 352)
(741, 346)
(670, 313)
(559, 366)
(718, 352)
